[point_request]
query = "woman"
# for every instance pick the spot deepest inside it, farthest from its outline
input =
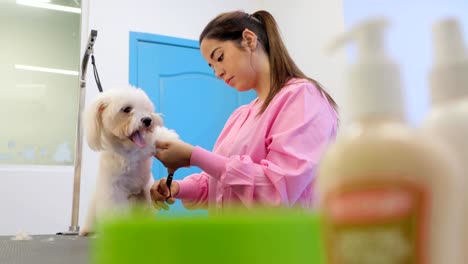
(269, 150)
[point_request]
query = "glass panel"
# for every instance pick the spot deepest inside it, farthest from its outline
(39, 69)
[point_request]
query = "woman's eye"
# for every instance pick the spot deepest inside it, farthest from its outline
(127, 109)
(220, 58)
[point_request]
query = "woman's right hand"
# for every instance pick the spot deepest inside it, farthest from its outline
(174, 154)
(160, 193)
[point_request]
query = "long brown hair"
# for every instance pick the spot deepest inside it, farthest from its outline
(229, 27)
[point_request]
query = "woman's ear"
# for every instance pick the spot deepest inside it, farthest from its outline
(249, 39)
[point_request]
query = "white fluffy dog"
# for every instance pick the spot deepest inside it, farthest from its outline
(122, 126)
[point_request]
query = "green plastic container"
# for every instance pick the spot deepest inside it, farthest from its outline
(273, 237)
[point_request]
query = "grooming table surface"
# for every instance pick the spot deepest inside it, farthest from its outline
(45, 249)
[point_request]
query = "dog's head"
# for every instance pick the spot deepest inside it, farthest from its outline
(120, 117)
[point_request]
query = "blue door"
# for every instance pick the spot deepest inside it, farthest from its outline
(184, 89)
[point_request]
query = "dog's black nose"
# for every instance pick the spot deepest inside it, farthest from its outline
(146, 121)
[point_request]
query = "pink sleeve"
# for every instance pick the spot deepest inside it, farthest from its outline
(301, 131)
(193, 191)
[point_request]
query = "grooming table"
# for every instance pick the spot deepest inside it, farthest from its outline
(45, 249)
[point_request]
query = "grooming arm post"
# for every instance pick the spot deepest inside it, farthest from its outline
(74, 227)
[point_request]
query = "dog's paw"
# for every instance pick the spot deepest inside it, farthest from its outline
(164, 134)
(85, 232)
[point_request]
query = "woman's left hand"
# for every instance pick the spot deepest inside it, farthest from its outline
(174, 154)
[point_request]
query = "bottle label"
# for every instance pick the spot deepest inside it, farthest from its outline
(372, 224)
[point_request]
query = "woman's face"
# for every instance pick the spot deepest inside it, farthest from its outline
(231, 63)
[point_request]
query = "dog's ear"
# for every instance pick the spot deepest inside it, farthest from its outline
(93, 120)
(157, 119)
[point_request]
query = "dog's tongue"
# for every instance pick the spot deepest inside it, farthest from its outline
(138, 139)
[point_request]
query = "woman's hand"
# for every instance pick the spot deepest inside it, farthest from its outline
(174, 154)
(160, 193)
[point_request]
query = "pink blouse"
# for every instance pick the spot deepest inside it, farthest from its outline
(267, 160)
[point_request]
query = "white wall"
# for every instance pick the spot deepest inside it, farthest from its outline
(307, 28)
(35, 199)
(302, 24)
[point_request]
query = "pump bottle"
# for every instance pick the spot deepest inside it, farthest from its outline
(383, 189)
(448, 116)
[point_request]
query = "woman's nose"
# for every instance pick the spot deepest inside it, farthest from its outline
(219, 73)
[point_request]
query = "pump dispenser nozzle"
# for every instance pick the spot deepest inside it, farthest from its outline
(374, 80)
(368, 37)
(448, 42)
(449, 75)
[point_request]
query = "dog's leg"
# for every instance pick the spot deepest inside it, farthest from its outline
(90, 218)
(147, 191)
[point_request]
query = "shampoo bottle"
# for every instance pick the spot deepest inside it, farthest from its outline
(448, 116)
(386, 194)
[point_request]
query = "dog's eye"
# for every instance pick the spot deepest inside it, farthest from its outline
(127, 109)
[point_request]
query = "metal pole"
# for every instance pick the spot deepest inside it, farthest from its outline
(74, 227)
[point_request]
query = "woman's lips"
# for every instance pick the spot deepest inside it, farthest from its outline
(228, 81)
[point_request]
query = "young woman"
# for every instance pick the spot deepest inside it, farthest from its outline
(269, 150)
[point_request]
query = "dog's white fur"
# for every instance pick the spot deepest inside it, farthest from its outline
(115, 126)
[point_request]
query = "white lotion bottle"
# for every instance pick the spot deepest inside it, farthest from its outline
(386, 194)
(448, 116)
